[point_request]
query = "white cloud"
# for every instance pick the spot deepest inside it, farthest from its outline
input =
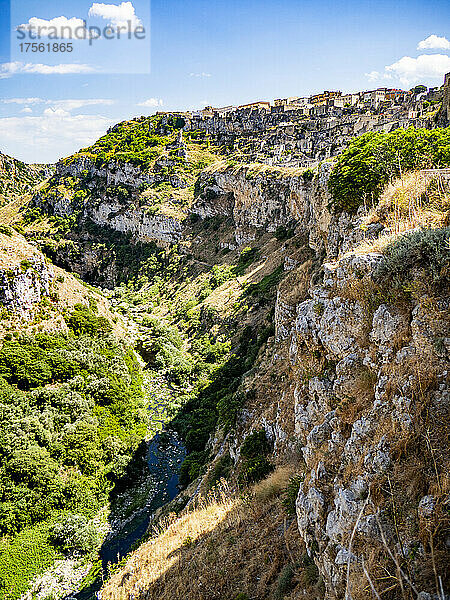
(56, 112)
(62, 69)
(68, 104)
(202, 74)
(26, 110)
(117, 16)
(151, 103)
(56, 28)
(374, 76)
(425, 67)
(75, 104)
(54, 134)
(8, 69)
(434, 42)
(22, 100)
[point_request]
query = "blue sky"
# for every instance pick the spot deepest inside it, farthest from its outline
(209, 52)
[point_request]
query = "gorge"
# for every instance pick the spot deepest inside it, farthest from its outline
(275, 297)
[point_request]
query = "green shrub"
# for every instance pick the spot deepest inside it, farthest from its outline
(291, 493)
(217, 402)
(255, 444)
(163, 349)
(373, 159)
(228, 407)
(75, 533)
(284, 582)
(308, 174)
(222, 470)
(427, 250)
(281, 233)
(220, 274)
(254, 469)
(28, 363)
(83, 321)
(25, 264)
(246, 257)
(310, 570)
(192, 467)
(255, 465)
(267, 285)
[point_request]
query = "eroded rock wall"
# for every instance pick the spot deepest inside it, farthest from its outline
(361, 379)
(22, 287)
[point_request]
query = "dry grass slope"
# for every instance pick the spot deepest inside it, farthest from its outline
(225, 547)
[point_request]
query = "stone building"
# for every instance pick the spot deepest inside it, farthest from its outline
(259, 104)
(323, 98)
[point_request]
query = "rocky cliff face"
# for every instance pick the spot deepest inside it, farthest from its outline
(24, 286)
(363, 383)
(351, 416)
(265, 200)
(105, 209)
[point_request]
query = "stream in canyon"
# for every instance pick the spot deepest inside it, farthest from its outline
(164, 457)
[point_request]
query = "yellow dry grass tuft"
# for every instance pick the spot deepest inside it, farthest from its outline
(413, 200)
(255, 169)
(274, 484)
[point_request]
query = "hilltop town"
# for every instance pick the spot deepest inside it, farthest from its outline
(382, 100)
(303, 131)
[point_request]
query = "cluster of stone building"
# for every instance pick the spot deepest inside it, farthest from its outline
(302, 132)
(319, 103)
(378, 100)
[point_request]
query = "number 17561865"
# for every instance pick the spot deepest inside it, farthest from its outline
(49, 47)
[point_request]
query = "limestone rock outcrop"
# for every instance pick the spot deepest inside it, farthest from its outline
(22, 287)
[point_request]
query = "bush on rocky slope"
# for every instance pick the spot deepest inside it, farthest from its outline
(427, 252)
(133, 141)
(18, 178)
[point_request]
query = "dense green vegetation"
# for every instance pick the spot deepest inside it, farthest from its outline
(216, 403)
(373, 159)
(139, 141)
(134, 141)
(23, 557)
(71, 418)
